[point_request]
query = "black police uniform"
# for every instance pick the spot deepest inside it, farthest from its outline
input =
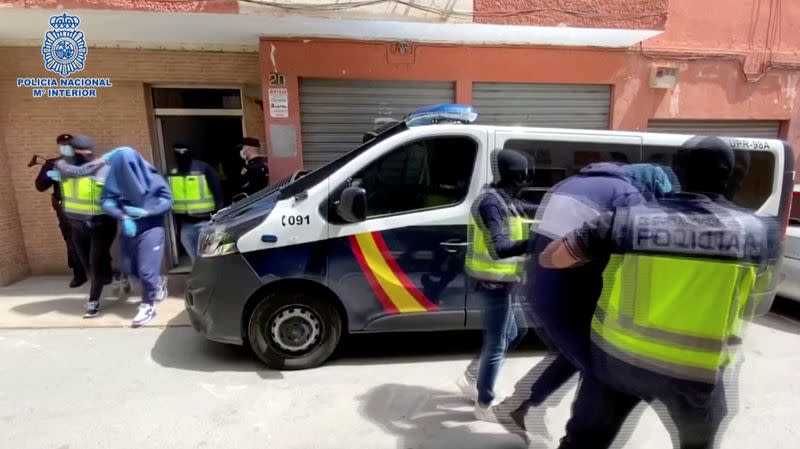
(43, 182)
(255, 175)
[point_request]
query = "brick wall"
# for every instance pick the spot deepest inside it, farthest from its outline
(118, 116)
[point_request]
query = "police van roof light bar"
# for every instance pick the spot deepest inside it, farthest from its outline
(442, 113)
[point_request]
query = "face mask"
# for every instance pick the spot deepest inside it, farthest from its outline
(66, 150)
(243, 154)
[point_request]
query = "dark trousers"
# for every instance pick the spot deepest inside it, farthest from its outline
(599, 411)
(555, 374)
(142, 257)
(92, 240)
(73, 259)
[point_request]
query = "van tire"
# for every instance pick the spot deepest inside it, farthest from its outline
(281, 325)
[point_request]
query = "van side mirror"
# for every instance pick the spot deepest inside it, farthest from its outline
(352, 206)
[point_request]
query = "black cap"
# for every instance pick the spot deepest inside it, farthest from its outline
(182, 144)
(251, 142)
(63, 138)
(81, 142)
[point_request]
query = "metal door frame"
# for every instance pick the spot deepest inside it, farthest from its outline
(160, 154)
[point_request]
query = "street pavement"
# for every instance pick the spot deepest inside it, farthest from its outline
(169, 388)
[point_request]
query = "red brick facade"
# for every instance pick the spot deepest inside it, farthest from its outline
(118, 116)
(218, 6)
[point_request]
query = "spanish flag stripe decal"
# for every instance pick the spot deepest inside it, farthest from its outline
(387, 279)
(401, 275)
(387, 304)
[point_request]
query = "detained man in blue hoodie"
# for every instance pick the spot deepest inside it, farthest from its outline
(139, 197)
(554, 298)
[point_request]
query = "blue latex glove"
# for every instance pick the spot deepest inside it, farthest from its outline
(135, 212)
(129, 227)
(55, 175)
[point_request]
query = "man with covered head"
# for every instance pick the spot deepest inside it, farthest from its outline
(678, 275)
(498, 238)
(196, 194)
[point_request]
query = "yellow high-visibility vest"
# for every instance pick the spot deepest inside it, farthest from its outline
(81, 196)
(479, 262)
(672, 310)
(191, 194)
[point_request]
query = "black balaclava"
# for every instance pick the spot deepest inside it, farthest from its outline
(183, 158)
(705, 165)
(512, 171)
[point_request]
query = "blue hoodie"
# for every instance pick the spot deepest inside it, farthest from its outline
(132, 181)
(562, 302)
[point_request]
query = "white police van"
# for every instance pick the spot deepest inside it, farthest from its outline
(375, 241)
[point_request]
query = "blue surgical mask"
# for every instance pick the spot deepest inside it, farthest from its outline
(66, 150)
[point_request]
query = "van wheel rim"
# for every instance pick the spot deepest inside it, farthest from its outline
(295, 329)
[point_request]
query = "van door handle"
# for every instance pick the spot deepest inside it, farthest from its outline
(453, 246)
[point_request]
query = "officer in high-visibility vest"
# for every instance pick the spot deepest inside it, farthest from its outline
(82, 176)
(677, 284)
(497, 242)
(196, 194)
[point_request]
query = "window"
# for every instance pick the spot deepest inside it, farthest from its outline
(424, 174)
(753, 174)
(556, 161)
(187, 98)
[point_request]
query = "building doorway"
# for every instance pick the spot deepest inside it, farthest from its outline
(212, 120)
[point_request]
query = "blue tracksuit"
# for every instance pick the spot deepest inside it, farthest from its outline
(132, 181)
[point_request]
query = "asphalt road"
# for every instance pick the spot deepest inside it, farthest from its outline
(153, 388)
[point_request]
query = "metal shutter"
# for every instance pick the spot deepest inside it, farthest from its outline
(335, 114)
(583, 106)
(738, 128)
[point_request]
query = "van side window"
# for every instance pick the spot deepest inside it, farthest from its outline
(425, 174)
(556, 161)
(751, 182)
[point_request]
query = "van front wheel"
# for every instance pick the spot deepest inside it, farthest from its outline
(294, 331)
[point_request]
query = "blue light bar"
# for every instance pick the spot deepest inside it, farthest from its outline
(442, 113)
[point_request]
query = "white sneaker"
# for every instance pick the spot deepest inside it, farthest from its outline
(146, 313)
(486, 413)
(467, 387)
(161, 293)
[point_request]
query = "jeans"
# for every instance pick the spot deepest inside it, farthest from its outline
(190, 237)
(502, 330)
(142, 256)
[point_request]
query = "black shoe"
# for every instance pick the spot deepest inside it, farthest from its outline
(77, 282)
(92, 309)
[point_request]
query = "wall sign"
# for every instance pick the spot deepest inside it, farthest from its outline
(279, 102)
(277, 79)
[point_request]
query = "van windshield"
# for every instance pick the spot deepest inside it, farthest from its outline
(310, 180)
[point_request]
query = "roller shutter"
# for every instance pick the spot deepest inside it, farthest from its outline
(335, 114)
(738, 128)
(583, 106)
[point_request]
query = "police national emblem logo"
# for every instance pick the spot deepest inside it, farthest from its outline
(64, 47)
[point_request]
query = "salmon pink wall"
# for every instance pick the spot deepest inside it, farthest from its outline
(706, 89)
(629, 14)
(210, 6)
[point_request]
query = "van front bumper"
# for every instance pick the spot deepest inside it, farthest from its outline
(216, 294)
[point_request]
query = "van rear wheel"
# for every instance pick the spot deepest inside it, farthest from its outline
(294, 331)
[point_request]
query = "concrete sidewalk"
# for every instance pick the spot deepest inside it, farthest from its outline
(48, 302)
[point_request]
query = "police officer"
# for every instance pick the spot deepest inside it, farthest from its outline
(44, 182)
(678, 279)
(255, 174)
(82, 177)
(196, 194)
(497, 240)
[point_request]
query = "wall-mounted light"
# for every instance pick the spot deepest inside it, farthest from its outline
(663, 77)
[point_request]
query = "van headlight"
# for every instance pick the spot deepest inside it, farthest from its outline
(219, 239)
(216, 242)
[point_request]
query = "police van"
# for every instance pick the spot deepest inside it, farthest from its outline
(375, 241)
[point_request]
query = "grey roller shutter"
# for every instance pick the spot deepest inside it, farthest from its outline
(335, 114)
(737, 128)
(584, 106)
